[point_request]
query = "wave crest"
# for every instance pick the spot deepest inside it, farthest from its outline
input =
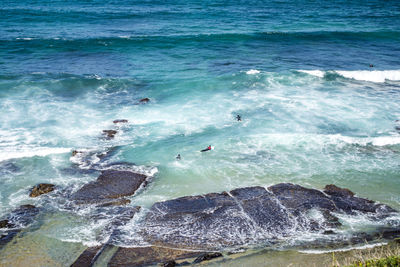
(378, 76)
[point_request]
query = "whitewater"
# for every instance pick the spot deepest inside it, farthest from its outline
(318, 98)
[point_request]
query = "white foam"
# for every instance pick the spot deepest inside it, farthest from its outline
(378, 76)
(27, 152)
(342, 249)
(317, 73)
(252, 72)
(372, 76)
(376, 141)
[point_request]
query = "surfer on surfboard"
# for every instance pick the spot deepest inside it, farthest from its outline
(206, 149)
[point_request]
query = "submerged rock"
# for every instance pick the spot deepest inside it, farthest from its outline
(41, 189)
(17, 220)
(6, 224)
(144, 256)
(207, 257)
(144, 100)
(120, 121)
(111, 184)
(110, 133)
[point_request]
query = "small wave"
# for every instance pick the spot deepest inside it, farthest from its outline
(378, 76)
(252, 72)
(31, 152)
(316, 251)
(24, 38)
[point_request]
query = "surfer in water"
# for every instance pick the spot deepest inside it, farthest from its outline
(178, 157)
(206, 149)
(238, 118)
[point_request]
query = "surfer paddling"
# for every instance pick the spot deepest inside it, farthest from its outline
(206, 149)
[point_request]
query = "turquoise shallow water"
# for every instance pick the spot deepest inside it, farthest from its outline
(313, 111)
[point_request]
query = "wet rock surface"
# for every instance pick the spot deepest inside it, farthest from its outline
(110, 185)
(183, 231)
(345, 201)
(41, 189)
(87, 258)
(252, 215)
(144, 256)
(16, 221)
(207, 257)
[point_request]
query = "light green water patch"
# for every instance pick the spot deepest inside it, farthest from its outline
(37, 249)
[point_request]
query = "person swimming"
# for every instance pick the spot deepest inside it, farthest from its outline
(238, 118)
(178, 157)
(206, 149)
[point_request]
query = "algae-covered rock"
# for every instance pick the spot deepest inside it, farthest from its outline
(41, 189)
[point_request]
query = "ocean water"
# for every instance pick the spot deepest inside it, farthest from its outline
(298, 72)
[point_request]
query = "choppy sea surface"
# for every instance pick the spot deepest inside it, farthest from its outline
(316, 83)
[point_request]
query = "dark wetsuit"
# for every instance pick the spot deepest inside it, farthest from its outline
(206, 149)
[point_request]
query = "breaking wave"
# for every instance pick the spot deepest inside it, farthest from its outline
(378, 76)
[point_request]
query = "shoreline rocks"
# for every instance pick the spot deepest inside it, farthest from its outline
(41, 189)
(109, 186)
(192, 229)
(252, 215)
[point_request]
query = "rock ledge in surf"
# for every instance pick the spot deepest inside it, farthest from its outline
(252, 215)
(110, 185)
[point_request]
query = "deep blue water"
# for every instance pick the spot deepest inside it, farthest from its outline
(298, 72)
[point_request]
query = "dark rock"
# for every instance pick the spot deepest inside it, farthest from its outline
(397, 128)
(18, 219)
(24, 215)
(171, 263)
(6, 224)
(41, 189)
(206, 222)
(110, 133)
(261, 206)
(207, 257)
(143, 256)
(120, 121)
(118, 202)
(110, 184)
(250, 215)
(298, 198)
(144, 100)
(8, 236)
(345, 200)
(75, 152)
(328, 232)
(333, 190)
(331, 220)
(184, 263)
(87, 257)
